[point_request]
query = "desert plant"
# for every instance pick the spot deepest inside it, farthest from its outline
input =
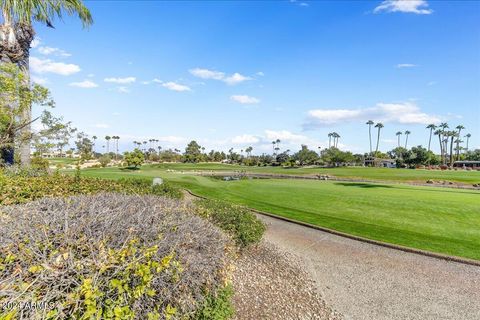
(244, 227)
(109, 256)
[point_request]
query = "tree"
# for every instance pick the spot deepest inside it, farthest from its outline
(431, 127)
(249, 151)
(336, 136)
(192, 152)
(16, 36)
(134, 158)
(379, 126)
(370, 123)
(94, 138)
(398, 134)
(84, 146)
(108, 143)
(330, 135)
(443, 148)
(468, 135)
(407, 133)
(459, 128)
(305, 156)
(438, 133)
(273, 147)
(17, 96)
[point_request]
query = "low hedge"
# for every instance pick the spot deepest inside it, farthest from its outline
(23, 187)
(111, 256)
(238, 221)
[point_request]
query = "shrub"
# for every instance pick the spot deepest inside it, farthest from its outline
(217, 306)
(21, 188)
(134, 159)
(238, 221)
(104, 160)
(39, 163)
(111, 256)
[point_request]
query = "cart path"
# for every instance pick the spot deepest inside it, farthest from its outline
(366, 281)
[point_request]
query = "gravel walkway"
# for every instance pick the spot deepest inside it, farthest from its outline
(269, 284)
(365, 281)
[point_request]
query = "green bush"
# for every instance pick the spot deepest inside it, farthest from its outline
(112, 256)
(238, 221)
(26, 186)
(217, 306)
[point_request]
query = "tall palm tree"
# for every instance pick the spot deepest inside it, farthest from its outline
(452, 135)
(108, 143)
(370, 123)
(336, 136)
(379, 126)
(273, 146)
(16, 36)
(94, 138)
(459, 128)
(438, 133)
(468, 135)
(330, 139)
(407, 133)
(398, 134)
(431, 127)
(278, 144)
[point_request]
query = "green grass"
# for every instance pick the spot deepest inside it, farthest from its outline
(435, 219)
(377, 174)
(65, 161)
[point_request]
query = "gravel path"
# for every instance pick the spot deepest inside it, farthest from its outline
(269, 284)
(365, 281)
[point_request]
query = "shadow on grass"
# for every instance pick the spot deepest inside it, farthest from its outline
(129, 169)
(362, 185)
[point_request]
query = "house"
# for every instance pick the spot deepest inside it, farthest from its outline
(378, 162)
(467, 164)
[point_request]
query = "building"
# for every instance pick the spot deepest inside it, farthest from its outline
(378, 162)
(467, 164)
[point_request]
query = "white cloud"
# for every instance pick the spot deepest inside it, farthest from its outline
(102, 126)
(157, 80)
(175, 86)
(39, 80)
(207, 74)
(235, 78)
(125, 80)
(84, 84)
(90, 75)
(260, 73)
(53, 51)
(405, 65)
(123, 89)
(48, 66)
(244, 99)
(36, 42)
(245, 138)
(407, 6)
(403, 113)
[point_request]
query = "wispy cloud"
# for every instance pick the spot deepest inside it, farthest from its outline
(125, 80)
(87, 84)
(102, 126)
(40, 66)
(403, 113)
(233, 79)
(406, 6)
(246, 139)
(405, 65)
(175, 86)
(36, 42)
(53, 51)
(123, 89)
(39, 80)
(244, 99)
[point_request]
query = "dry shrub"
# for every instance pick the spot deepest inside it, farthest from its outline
(108, 256)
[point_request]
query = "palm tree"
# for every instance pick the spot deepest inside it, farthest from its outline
(438, 133)
(407, 133)
(108, 143)
(370, 123)
(431, 127)
(94, 138)
(278, 144)
(452, 135)
(459, 128)
(398, 134)
(336, 136)
(273, 146)
(379, 126)
(16, 36)
(330, 139)
(468, 135)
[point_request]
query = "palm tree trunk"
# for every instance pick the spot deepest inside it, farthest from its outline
(430, 139)
(467, 143)
(329, 141)
(451, 151)
(370, 137)
(398, 141)
(378, 140)
(441, 147)
(406, 141)
(15, 40)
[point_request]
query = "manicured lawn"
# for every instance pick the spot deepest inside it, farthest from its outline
(436, 219)
(378, 174)
(65, 161)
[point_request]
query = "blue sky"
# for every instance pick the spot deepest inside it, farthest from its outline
(235, 74)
